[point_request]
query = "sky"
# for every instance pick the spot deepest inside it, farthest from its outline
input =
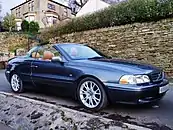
(8, 4)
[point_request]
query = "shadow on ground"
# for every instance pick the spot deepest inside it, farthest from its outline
(104, 113)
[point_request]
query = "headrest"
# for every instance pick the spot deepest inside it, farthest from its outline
(35, 55)
(47, 55)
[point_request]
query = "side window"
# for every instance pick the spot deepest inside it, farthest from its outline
(46, 52)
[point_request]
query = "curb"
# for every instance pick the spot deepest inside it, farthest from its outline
(23, 113)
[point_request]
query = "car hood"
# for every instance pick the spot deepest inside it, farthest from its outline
(119, 65)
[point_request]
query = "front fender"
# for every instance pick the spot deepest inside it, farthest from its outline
(103, 75)
(9, 70)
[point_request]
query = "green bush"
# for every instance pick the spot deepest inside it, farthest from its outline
(120, 14)
(25, 26)
(33, 27)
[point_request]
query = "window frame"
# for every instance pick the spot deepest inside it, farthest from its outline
(98, 52)
(55, 20)
(36, 50)
(51, 6)
(31, 6)
(65, 12)
(18, 12)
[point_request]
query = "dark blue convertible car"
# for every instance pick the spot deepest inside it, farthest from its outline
(94, 79)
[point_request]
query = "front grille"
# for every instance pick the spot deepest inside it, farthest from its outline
(156, 76)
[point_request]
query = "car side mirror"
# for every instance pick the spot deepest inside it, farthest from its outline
(57, 59)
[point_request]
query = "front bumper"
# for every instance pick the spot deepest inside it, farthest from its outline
(129, 94)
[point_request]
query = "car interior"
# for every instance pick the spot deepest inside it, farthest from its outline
(47, 55)
(35, 55)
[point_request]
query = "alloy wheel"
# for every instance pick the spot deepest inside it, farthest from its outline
(90, 94)
(15, 83)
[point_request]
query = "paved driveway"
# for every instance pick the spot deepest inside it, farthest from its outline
(4, 85)
(156, 116)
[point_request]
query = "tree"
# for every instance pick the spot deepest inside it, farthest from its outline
(114, 1)
(25, 26)
(0, 26)
(76, 5)
(81, 3)
(9, 22)
(34, 27)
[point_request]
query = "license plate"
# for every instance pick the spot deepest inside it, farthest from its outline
(164, 89)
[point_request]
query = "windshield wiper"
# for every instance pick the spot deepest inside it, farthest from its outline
(96, 57)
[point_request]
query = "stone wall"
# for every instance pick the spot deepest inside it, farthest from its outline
(9, 42)
(145, 42)
(12, 41)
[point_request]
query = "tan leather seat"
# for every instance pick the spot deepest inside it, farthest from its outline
(35, 55)
(47, 55)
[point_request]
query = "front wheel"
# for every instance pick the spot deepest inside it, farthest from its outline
(92, 94)
(16, 83)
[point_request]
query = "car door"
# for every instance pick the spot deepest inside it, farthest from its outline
(48, 73)
(25, 68)
(25, 71)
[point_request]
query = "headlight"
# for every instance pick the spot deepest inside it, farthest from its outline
(134, 79)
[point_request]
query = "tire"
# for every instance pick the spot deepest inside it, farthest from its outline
(16, 83)
(92, 97)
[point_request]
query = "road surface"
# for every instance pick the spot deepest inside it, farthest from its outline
(4, 127)
(153, 116)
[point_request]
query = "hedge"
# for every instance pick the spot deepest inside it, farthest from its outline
(127, 12)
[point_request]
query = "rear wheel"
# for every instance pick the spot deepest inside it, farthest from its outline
(16, 83)
(91, 94)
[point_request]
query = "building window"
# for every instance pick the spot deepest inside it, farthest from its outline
(27, 18)
(55, 20)
(18, 14)
(65, 12)
(30, 18)
(31, 6)
(51, 20)
(51, 6)
(18, 24)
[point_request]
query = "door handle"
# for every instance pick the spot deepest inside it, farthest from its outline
(34, 66)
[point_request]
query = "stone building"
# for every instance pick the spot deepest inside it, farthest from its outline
(45, 12)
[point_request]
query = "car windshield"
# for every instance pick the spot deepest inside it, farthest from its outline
(32, 50)
(78, 52)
